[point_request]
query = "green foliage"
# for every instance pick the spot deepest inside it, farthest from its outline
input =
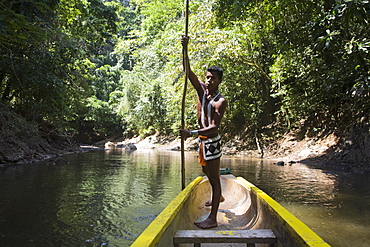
(318, 81)
(157, 15)
(99, 119)
(315, 56)
(44, 44)
(99, 65)
(141, 102)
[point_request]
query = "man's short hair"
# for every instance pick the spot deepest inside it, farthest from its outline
(217, 70)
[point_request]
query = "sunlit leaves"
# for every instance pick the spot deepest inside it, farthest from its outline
(158, 14)
(283, 60)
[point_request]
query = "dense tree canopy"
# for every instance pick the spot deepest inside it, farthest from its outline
(110, 67)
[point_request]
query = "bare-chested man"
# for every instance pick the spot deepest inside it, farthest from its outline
(211, 108)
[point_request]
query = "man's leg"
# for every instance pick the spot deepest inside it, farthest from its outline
(213, 174)
(209, 203)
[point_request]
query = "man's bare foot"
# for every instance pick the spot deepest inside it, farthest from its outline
(206, 224)
(209, 203)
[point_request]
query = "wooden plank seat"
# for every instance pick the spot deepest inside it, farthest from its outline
(250, 237)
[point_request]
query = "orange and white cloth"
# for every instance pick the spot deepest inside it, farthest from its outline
(209, 149)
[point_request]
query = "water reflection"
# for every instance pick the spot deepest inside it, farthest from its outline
(108, 198)
(291, 183)
(334, 204)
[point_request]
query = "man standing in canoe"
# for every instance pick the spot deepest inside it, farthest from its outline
(211, 108)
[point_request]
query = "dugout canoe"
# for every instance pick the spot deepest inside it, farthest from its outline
(246, 209)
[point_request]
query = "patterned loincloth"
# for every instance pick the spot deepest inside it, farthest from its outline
(209, 149)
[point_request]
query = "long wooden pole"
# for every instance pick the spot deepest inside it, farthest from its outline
(186, 62)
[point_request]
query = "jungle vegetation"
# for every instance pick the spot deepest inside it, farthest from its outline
(110, 67)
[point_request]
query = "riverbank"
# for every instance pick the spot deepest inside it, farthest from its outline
(34, 149)
(344, 149)
(22, 141)
(331, 152)
(346, 153)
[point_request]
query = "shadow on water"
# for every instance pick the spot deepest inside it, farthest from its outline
(107, 198)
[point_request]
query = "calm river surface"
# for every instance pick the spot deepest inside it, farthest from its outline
(107, 198)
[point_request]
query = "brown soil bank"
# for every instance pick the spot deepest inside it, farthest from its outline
(344, 150)
(22, 142)
(347, 149)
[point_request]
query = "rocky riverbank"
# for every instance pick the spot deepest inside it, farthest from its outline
(327, 153)
(347, 149)
(347, 153)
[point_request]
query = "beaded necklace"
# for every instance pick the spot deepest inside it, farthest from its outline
(209, 106)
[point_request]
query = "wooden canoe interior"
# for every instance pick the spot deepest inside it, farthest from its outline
(243, 209)
(236, 212)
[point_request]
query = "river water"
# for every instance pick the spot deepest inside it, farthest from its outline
(107, 198)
